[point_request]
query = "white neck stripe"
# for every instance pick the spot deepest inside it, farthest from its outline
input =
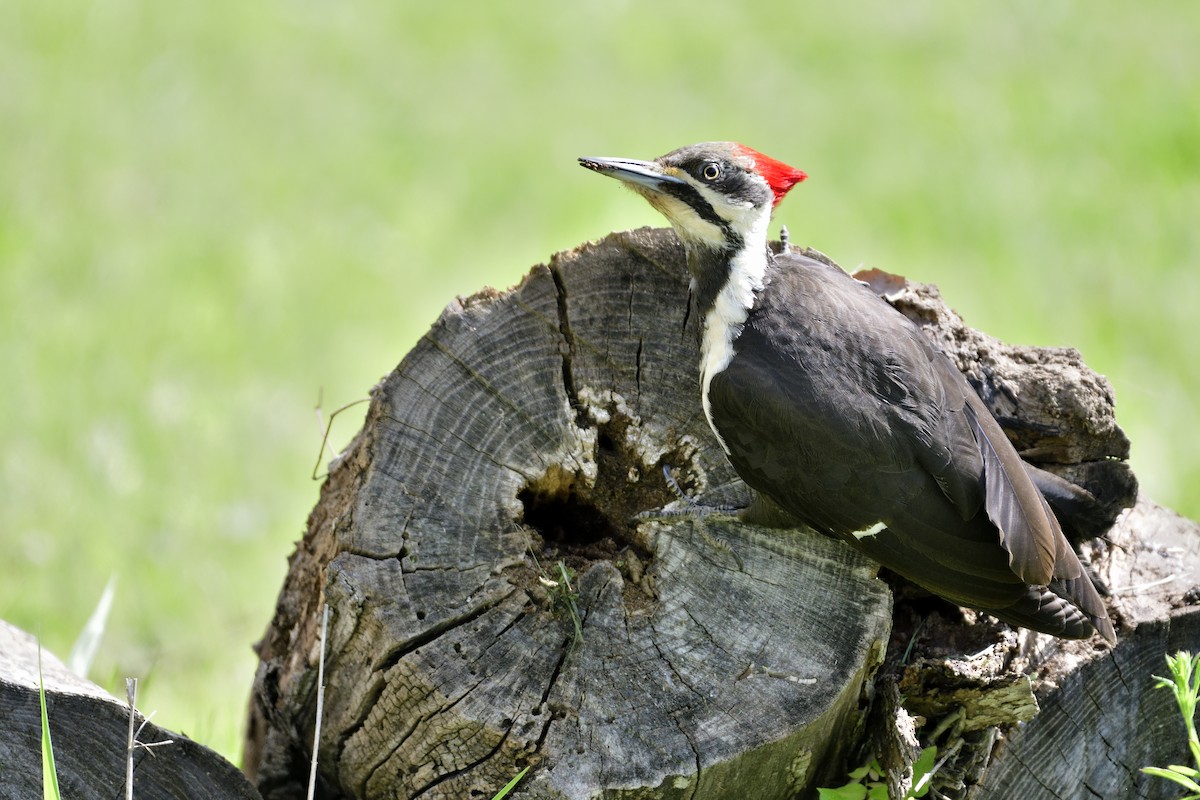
(723, 322)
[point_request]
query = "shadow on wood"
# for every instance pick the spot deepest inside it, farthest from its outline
(90, 731)
(490, 505)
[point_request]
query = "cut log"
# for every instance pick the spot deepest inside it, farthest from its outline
(90, 731)
(500, 598)
(1102, 719)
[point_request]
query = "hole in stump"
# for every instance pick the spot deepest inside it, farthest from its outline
(581, 519)
(568, 518)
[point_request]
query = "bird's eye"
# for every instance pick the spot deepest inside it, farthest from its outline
(712, 171)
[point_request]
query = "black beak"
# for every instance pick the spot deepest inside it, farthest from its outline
(642, 173)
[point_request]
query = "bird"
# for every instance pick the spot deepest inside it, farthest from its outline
(841, 414)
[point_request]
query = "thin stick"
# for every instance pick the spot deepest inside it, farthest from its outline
(328, 428)
(312, 775)
(1138, 587)
(132, 742)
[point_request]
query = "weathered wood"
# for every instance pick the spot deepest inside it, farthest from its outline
(90, 730)
(523, 430)
(1101, 718)
(528, 429)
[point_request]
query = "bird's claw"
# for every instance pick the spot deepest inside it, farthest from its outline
(691, 506)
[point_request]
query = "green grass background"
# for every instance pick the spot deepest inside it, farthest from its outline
(211, 212)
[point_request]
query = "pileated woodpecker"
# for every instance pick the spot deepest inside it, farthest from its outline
(836, 409)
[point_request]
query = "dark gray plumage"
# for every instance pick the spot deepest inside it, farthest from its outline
(841, 413)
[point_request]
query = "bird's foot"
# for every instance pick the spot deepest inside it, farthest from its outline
(691, 506)
(694, 509)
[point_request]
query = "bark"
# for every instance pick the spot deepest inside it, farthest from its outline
(499, 597)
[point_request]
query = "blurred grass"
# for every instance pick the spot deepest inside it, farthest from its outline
(210, 212)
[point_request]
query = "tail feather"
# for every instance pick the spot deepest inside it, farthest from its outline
(1067, 609)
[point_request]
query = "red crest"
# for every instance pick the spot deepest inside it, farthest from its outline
(779, 176)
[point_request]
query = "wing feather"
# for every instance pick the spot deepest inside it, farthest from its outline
(1028, 531)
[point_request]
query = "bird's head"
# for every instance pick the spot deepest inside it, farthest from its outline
(716, 195)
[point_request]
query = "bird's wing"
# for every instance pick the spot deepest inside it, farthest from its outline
(1028, 529)
(958, 441)
(925, 399)
(886, 390)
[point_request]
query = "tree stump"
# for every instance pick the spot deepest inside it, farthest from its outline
(90, 731)
(499, 599)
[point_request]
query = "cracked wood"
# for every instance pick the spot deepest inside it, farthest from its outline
(527, 429)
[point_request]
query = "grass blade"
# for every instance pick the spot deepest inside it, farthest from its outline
(49, 772)
(508, 787)
(131, 696)
(1182, 780)
(84, 649)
